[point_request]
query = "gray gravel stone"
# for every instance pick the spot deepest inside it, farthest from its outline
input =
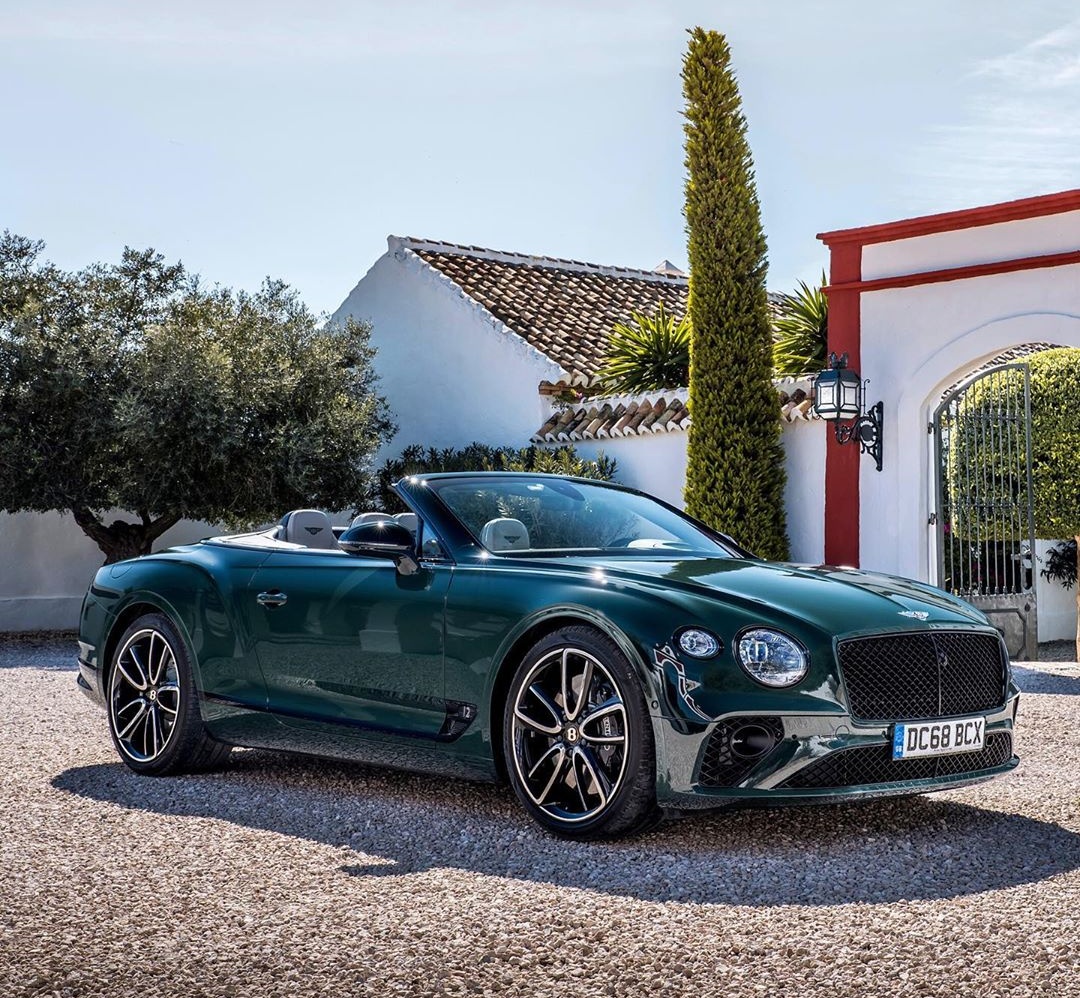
(283, 875)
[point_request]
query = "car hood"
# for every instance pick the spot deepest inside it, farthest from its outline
(837, 600)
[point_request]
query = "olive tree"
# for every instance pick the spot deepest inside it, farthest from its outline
(132, 386)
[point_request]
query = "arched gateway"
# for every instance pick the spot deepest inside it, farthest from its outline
(920, 306)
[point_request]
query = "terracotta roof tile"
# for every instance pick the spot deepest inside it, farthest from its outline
(661, 412)
(563, 308)
(626, 417)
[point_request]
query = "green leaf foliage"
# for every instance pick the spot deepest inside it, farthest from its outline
(735, 473)
(1061, 564)
(801, 331)
(418, 460)
(649, 353)
(980, 463)
(132, 386)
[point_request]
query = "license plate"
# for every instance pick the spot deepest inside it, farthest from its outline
(960, 734)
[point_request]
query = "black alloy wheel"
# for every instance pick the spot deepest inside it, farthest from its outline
(153, 702)
(577, 737)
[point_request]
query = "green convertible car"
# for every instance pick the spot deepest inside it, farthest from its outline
(611, 658)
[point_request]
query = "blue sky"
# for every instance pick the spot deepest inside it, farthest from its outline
(288, 139)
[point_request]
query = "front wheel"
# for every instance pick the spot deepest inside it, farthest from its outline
(577, 738)
(153, 702)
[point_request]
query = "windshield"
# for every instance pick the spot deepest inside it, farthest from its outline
(551, 516)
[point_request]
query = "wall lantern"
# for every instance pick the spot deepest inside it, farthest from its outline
(839, 394)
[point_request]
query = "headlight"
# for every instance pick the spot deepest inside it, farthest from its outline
(698, 643)
(771, 658)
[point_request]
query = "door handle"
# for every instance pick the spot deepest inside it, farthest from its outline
(272, 599)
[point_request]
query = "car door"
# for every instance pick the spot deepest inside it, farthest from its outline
(350, 641)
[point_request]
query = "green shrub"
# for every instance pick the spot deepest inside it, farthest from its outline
(735, 471)
(649, 353)
(418, 460)
(801, 331)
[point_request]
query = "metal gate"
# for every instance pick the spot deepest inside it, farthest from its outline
(984, 500)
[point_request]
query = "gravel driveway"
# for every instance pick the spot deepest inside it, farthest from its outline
(287, 876)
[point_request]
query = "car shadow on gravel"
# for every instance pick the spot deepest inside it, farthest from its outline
(402, 823)
(1036, 680)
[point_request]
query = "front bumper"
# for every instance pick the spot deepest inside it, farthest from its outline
(690, 778)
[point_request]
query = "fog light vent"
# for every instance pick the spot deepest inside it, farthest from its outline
(735, 747)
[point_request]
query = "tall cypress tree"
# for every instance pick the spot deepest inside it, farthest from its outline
(735, 474)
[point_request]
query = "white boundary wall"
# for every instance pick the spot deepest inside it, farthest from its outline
(47, 562)
(656, 463)
(1057, 605)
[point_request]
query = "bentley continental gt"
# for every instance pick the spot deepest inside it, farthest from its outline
(611, 658)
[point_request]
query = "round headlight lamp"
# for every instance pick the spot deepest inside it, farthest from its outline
(771, 658)
(698, 643)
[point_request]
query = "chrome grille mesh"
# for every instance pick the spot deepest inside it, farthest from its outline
(902, 677)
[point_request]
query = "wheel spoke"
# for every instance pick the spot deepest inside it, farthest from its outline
(609, 708)
(579, 782)
(139, 684)
(130, 726)
(555, 750)
(173, 689)
(596, 771)
(583, 696)
(128, 706)
(564, 680)
(549, 705)
(151, 670)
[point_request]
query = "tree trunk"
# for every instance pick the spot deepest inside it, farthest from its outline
(121, 540)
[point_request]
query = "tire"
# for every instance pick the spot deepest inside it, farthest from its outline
(153, 704)
(579, 750)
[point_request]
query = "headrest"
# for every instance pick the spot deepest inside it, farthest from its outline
(410, 521)
(310, 527)
(504, 534)
(370, 518)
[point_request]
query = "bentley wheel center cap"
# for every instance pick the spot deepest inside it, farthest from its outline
(152, 695)
(571, 734)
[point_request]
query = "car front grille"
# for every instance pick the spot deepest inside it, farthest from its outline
(872, 764)
(905, 677)
(722, 765)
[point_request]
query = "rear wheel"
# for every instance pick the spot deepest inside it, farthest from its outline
(577, 738)
(153, 702)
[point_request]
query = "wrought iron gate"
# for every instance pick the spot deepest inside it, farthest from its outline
(984, 501)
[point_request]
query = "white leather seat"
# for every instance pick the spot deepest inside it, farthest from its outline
(505, 534)
(410, 521)
(310, 527)
(370, 518)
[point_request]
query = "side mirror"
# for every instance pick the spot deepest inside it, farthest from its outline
(382, 539)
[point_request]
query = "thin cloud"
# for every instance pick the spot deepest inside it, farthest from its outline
(1022, 133)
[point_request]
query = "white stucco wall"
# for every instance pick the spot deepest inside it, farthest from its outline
(1057, 605)
(654, 463)
(451, 372)
(46, 564)
(917, 341)
(804, 494)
